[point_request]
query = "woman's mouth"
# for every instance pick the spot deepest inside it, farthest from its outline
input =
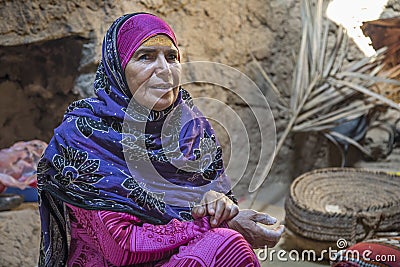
(163, 87)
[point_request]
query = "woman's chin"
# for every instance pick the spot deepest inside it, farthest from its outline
(164, 101)
(161, 105)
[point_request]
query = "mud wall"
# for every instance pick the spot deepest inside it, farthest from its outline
(49, 52)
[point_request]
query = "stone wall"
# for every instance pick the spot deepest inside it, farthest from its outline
(49, 51)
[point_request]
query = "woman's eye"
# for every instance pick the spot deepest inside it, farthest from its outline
(173, 57)
(144, 57)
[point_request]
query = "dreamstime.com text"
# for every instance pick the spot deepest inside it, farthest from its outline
(267, 254)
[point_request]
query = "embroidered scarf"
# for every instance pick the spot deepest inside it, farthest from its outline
(110, 153)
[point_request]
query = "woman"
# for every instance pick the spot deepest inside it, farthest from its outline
(96, 178)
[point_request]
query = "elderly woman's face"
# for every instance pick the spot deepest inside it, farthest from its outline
(153, 75)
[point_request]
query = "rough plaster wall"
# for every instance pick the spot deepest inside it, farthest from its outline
(35, 87)
(222, 31)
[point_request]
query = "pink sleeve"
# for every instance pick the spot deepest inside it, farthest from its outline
(124, 240)
(149, 238)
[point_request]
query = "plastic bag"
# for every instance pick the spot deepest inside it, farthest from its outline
(18, 164)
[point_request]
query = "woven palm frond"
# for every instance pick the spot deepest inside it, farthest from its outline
(347, 203)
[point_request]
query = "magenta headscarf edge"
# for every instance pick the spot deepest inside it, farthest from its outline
(136, 30)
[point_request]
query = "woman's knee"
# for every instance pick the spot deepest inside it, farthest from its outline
(235, 251)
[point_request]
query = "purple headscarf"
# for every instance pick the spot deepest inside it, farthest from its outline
(99, 156)
(137, 30)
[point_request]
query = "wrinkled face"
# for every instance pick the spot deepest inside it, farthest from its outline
(153, 75)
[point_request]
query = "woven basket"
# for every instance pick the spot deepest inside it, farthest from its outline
(335, 203)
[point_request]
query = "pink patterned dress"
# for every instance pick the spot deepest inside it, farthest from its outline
(108, 238)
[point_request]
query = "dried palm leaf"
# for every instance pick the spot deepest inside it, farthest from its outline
(324, 92)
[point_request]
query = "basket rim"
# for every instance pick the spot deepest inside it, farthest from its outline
(347, 214)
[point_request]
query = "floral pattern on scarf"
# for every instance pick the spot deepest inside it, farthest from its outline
(85, 163)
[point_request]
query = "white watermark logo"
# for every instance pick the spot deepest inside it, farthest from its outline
(332, 254)
(341, 243)
(234, 122)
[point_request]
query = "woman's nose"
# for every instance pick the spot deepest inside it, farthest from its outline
(162, 68)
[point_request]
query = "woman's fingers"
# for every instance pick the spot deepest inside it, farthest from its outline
(230, 211)
(221, 211)
(247, 224)
(234, 211)
(216, 205)
(209, 201)
(267, 237)
(225, 210)
(198, 212)
(264, 218)
(206, 206)
(274, 234)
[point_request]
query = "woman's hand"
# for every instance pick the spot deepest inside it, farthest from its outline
(246, 223)
(216, 205)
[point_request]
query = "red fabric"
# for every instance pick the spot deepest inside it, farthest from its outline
(376, 252)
